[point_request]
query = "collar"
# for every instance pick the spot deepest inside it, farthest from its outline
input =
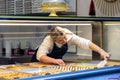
(59, 45)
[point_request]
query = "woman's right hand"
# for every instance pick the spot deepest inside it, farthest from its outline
(59, 62)
(47, 59)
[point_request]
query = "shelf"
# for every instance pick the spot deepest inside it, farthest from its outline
(89, 18)
(16, 56)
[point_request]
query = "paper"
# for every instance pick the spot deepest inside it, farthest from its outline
(102, 63)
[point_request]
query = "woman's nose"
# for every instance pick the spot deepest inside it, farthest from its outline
(64, 40)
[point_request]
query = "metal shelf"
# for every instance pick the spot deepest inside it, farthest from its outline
(89, 18)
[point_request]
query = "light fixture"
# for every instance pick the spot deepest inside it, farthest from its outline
(39, 23)
(53, 6)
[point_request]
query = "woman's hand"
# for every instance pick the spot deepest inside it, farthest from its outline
(105, 55)
(59, 62)
(47, 59)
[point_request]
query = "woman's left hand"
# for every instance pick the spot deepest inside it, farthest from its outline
(105, 55)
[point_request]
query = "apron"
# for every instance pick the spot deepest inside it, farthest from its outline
(56, 53)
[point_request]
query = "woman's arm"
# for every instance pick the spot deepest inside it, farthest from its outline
(44, 48)
(87, 44)
(96, 48)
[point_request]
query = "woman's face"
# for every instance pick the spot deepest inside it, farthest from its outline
(61, 39)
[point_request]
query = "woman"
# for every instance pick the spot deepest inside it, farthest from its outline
(56, 44)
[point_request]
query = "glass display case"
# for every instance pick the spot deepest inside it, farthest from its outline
(20, 36)
(112, 39)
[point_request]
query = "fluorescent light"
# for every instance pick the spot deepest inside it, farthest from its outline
(36, 24)
(16, 38)
(39, 23)
(112, 24)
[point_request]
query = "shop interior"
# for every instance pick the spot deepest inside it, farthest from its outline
(22, 31)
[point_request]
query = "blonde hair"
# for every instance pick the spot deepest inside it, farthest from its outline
(55, 33)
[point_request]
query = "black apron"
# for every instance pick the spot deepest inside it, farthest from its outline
(56, 53)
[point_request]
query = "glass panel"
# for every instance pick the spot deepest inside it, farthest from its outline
(16, 37)
(112, 39)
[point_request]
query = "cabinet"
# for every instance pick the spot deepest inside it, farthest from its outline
(20, 35)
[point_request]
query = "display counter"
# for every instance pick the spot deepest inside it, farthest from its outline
(108, 73)
(20, 35)
(84, 70)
